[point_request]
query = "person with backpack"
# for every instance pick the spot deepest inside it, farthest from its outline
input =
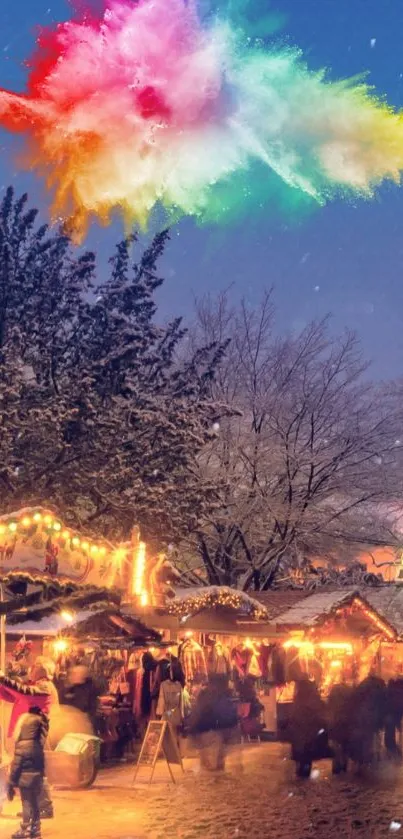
(27, 770)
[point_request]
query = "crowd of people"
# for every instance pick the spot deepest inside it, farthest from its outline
(348, 726)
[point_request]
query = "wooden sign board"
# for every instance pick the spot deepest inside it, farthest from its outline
(159, 739)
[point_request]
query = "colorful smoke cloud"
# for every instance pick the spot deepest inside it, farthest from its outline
(157, 103)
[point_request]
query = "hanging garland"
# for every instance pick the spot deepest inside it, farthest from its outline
(211, 597)
(34, 607)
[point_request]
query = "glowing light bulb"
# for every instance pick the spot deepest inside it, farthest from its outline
(66, 534)
(57, 525)
(37, 517)
(67, 616)
(60, 646)
(75, 541)
(85, 546)
(26, 521)
(12, 526)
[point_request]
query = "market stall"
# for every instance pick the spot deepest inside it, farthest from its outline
(331, 637)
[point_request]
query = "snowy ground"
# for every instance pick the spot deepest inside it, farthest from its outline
(259, 799)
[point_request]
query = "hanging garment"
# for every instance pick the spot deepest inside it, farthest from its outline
(278, 665)
(170, 703)
(23, 698)
(219, 660)
(192, 659)
(145, 681)
(253, 665)
(265, 661)
(240, 657)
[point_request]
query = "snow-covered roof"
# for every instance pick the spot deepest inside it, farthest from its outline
(190, 601)
(310, 610)
(51, 625)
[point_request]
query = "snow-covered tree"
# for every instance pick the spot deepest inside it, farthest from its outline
(98, 418)
(309, 466)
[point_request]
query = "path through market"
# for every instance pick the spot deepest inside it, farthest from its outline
(259, 799)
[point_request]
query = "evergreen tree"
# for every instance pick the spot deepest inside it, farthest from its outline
(100, 419)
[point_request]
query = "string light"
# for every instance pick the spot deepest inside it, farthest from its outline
(225, 597)
(37, 518)
(373, 617)
(67, 616)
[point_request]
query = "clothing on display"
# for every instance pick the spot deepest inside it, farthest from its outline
(170, 703)
(193, 661)
(219, 660)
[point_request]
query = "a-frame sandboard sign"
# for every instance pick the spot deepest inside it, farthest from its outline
(159, 740)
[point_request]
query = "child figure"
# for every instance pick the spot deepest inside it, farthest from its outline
(28, 769)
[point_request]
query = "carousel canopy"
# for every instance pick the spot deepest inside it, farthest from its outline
(32, 597)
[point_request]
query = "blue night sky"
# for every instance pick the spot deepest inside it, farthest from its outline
(345, 259)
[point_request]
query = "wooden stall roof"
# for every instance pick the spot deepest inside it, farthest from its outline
(111, 627)
(388, 601)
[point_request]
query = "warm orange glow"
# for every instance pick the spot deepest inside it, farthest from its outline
(66, 534)
(37, 517)
(138, 569)
(26, 521)
(336, 663)
(94, 549)
(48, 519)
(336, 645)
(12, 526)
(85, 546)
(57, 526)
(75, 541)
(144, 598)
(2, 528)
(306, 647)
(67, 616)
(60, 646)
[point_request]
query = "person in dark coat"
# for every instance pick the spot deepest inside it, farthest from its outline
(393, 717)
(307, 727)
(367, 719)
(28, 769)
(80, 692)
(339, 716)
(213, 721)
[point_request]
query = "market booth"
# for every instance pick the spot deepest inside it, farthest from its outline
(331, 637)
(48, 569)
